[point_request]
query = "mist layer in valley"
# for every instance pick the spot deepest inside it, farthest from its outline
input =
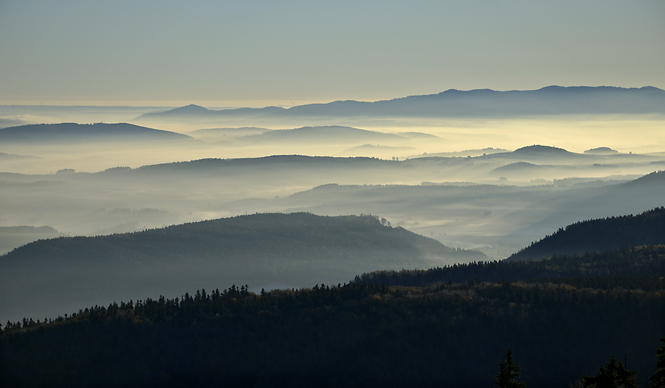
(495, 202)
(487, 171)
(573, 118)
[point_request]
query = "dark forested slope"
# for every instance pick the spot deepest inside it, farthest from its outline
(451, 335)
(647, 228)
(263, 250)
(645, 266)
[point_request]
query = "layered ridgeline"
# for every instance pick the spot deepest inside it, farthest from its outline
(456, 103)
(637, 268)
(362, 333)
(74, 133)
(47, 277)
(614, 247)
(627, 231)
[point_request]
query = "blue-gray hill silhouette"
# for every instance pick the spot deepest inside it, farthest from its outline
(322, 134)
(601, 151)
(656, 178)
(189, 109)
(85, 132)
(537, 153)
(282, 163)
(518, 167)
(541, 150)
(550, 100)
(294, 249)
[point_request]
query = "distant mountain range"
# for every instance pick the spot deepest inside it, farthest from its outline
(286, 250)
(4, 156)
(4, 123)
(282, 164)
(530, 153)
(551, 100)
(538, 151)
(324, 134)
(72, 132)
(329, 134)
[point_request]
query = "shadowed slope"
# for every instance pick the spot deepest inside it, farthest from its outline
(286, 249)
(647, 228)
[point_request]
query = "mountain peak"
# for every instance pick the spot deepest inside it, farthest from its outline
(540, 149)
(656, 178)
(601, 151)
(191, 108)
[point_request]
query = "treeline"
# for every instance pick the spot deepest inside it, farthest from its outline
(356, 334)
(260, 237)
(631, 268)
(297, 250)
(647, 228)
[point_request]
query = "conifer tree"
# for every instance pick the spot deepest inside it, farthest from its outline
(614, 376)
(658, 379)
(508, 373)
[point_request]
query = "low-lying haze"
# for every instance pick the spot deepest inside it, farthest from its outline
(490, 182)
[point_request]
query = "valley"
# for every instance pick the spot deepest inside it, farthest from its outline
(394, 207)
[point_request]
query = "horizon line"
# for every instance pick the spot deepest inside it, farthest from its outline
(247, 103)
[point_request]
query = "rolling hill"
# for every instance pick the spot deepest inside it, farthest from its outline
(327, 134)
(628, 231)
(538, 152)
(277, 166)
(262, 250)
(445, 327)
(72, 132)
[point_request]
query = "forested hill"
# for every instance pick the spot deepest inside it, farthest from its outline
(637, 268)
(647, 228)
(274, 163)
(262, 250)
(355, 335)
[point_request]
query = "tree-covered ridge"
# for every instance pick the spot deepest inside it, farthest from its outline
(292, 235)
(449, 335)
(286, 250)
(634, 268)
(268, 163)
(647, 228)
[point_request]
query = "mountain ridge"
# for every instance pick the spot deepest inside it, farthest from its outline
(78, 132)
(647, 228)
(452, 102)
(272, 248)
(328, 133)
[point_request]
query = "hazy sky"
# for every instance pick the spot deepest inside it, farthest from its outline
(255, 52)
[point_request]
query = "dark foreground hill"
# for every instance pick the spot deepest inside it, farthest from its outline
(356, 335)
(647, 228)
(263, 250)
(644, 265)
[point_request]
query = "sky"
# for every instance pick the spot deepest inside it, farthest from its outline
(282, 52)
